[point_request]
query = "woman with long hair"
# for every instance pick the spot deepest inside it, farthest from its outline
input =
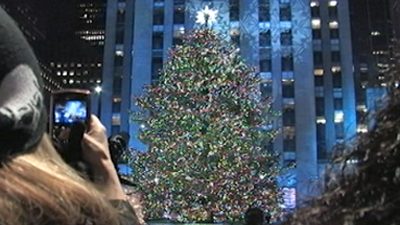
(36, 186)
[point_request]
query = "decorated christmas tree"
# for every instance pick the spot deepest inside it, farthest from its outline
(207, 128)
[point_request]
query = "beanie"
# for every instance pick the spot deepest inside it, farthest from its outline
(22, 113)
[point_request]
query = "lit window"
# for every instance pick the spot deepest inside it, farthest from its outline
(58, 73)
(98, 81)
(71, 73)
(321, 120)
(116, 119)
(314, 3)
(289, 198)
(375, 33)
(65, 73)
(332, 3)
(362, 128)
(117, 99)
(71, 81)
(339, 116)
(234, 32)
(318, 72)
(333, 25)
(336, 69)
(119, 53)
(316, 23)
(362, 108)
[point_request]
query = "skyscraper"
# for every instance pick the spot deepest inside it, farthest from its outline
(372, 36)
(32, 22)
(76, 41)
(301, 49)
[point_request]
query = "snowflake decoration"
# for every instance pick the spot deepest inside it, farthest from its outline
(206, 16)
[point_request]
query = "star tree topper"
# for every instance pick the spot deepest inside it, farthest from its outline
(206, 16)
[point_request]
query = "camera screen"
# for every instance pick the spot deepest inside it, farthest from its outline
(70, 111)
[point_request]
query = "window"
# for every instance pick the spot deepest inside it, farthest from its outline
(265, 60)
(317, 58)
(158, 17)
(158, 40)
(156, 66)
(335, 56)
(316, 23)
(319, 80)
(233, 10)
(320, 106)
(339, 130)
(316, 34)
(315, 11)
(332, 3)
(119, 38)
(177, 41)
(266, 89)
(333, 24)
(265, 38)
(179, 15)
(285, 12)
(334, 33)
(337, 80)
(117, 85)
(263, 13)
(338, 103)
(118, 60)
(339, 116)
(288, 117)
(333, 12)
(288, 90)
(287, 63)
(289, 145)
(121, 16)
(318, 72)
(314, 3)
(289, 133)
(235, 39)
(286, 38)
(116, 107)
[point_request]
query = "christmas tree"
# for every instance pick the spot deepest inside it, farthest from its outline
(206, 126)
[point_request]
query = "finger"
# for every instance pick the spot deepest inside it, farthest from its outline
(91, 145)
(96, 125)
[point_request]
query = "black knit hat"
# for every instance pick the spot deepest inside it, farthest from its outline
(22, 112)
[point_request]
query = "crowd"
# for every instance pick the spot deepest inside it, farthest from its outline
(38, 188)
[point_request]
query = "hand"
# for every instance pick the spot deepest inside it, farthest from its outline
(96, 153)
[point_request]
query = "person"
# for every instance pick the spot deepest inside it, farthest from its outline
(364, 178)
(254, 216)
(36, 186)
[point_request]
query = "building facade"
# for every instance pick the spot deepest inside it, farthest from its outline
(302, 50)
(76, 41)
(372, 29)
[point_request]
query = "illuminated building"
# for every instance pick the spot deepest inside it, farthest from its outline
(32, 23)
(302, 50)
(76, 41)
(372, 34)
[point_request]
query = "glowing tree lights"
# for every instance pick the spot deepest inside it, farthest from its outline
(206, 126)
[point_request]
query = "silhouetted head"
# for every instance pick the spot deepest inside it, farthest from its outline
(254, 216)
